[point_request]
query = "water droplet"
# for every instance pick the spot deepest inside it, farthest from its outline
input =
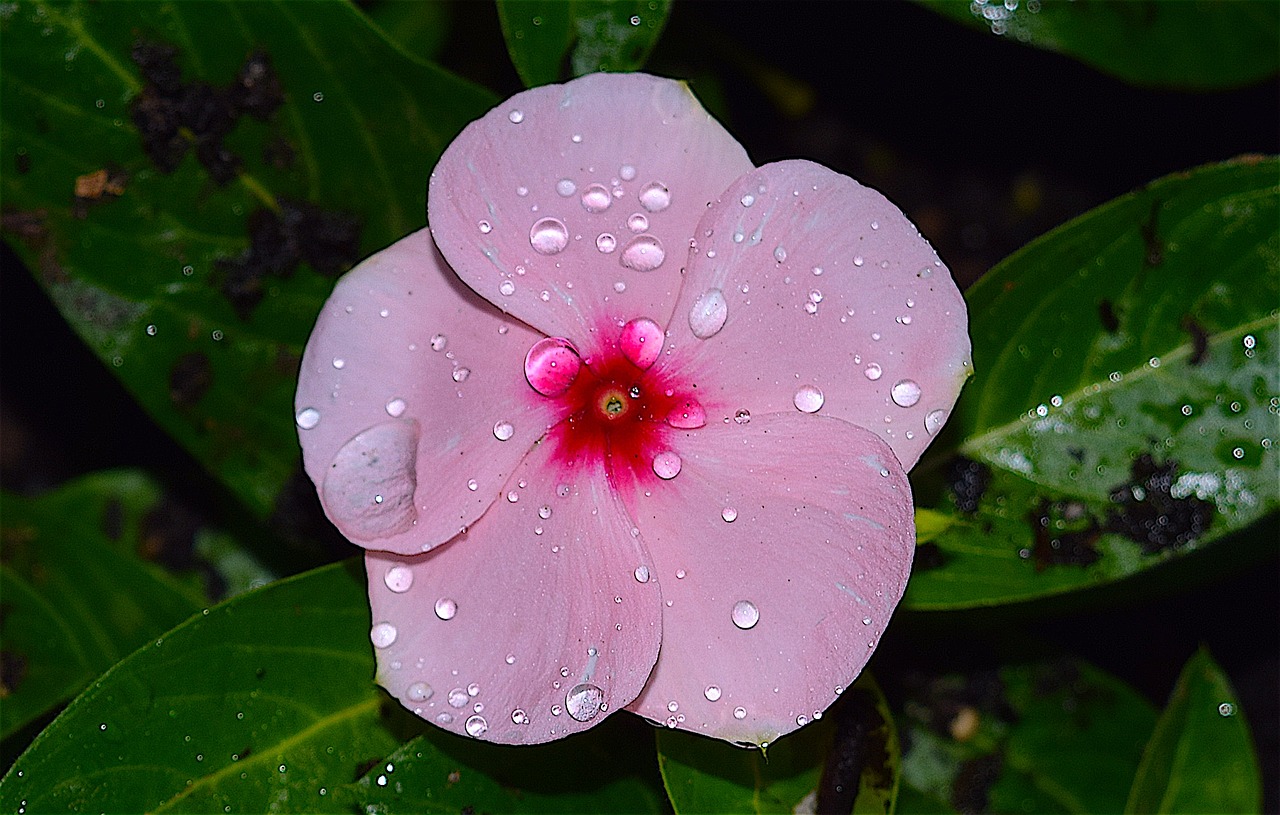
(655, 197)
(641, 342)
(875, 224)
(688, 415)
(742, 416)
(729, 514)
(472, 485)
(518, 716)
(808, 399)
(905, 393)
(486, 227)
(515, 117)
(551, 366)
(395, 408)
(596, 198)
(638, 222)
(1226, 709)
(398, 578)
(802, 720)
(708, 314)
(382, 635)
(382, 461)
(644, 253)
(503, 430)
(584, 701)
(642, 574)
(544, 512)
(444, 718)
(308, 418)
(739, 713)
(507, 288)
(934, 421)
(339, 363)
(712, 693)
(780, 254)
(606, 243)
(628, 172)
(857, 260)
(745, 614)
(438, 342)
(151, 332)
(446, 608)
(460, 374)
(548, 236)
(565, 187)
(747, 200)
(666, 465)
(458, 698)
(419, 692)
(873, 371)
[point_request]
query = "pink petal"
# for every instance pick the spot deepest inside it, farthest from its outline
(569, 205)
(781, 547)
(534, 625)
(814, 293)
(412, 405)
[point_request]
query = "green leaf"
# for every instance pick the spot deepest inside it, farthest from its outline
(421, 28)
(149, 266)
(1200, 758)
(1124, 397)
(1196, 46)
(1053, 735)
(850, 755)
(76, 596)
(604, 35)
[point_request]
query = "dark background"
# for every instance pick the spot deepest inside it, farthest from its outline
(985, 143)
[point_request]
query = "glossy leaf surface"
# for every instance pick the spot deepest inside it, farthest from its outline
(77, 597)
(593, 35)
(154, 268)
(1124, 406)
(1201, 757)
(846, 761)
(1146, 42)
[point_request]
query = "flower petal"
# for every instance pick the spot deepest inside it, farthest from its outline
(532, 625)
(572, 204)
(781, 547)
(405, 382)
(826, 298)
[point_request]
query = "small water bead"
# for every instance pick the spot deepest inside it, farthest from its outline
(472, 485)
(638, 222)
(419, 692)
(460, 374)
(563, 490)
(458, 698)
(873, 371)
(382, 635)
(444, 718)
(666, 465)
(934, 421)
(644, 253)
(513, 497)
(780, 254)
(810, 307)
(875, 224)
(151, 332)
(399, 579)
(817, 271)
(486, 227)
(905, 393)
(642, 574)
(446, 608)
(739, 713)
(584, 701)
(606, 243)
(522, 191)
(729, 514)
(473, 689)
(680, 574)
(438, 342)
(476, 726)
(395, 408)
(506, 288)
(815, 296)
(857, 260)
(808, 399)
(565, 187)
(641, 342)
(596, 198)
(712, 693)
(655, 197)
(747, 200)
(544, 512)
(308, 418)
(515, 117)
(518, 716)
(619, 287)
(742, 416)
(548, 236)
(339, 363)
(745, 614)
(673, 706)
(708, 314)
(627, 172)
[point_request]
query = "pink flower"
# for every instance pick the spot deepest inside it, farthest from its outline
(632, 430)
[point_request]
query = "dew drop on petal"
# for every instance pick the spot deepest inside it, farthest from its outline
(548, 236)
(780, 254)
(382, 635)
(395, 408)
(507, 288)
(606, 243)
(544, 512)
(584, 701)
(476, 726)
(747, 200)
(458, 698)
(808, 399)
(551, 366)
(486, 227)
(628, 172)
(873, 371)
(745, 614)
(739, 713)
(518, 716)
(596, 198)
(473, 485)
(515, 117)
(644, 253)
(502, 431)
(641, 342)
(688, 415)
(308, 418)
(905, 393)
(712, 693)
(446, 608)
(934, 421)
(399, 579)
(438, 342)
(667, 464)
(729, 514)
(419, 692)
(642, 574)
(742, 416)
(708, 314)
(655, 197)
(565, 187)
(638, 222)
(461, 374)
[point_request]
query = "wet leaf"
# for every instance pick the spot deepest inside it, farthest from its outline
(846, 761)
(1198, 46)
(282, 143)
(1123, 408)
(595, 35)
(77, 596)
(1201, 757)
(1053, 735)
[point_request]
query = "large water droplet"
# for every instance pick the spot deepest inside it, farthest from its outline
(551, 366)
(644, 253)
(378, 463)
(446, 608)
(503, 430)
(745, 614)
(584, 701)
(667, 464)
(596, 198)
(308, 418)
(708, 314)
(382, 635)
(606, 243)
(641, 342)
(655, 197)
(476, 726)
(688, 415)
(808, 399)
(399, 578)
(905, 393)
(935, 420)
(548, 236)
